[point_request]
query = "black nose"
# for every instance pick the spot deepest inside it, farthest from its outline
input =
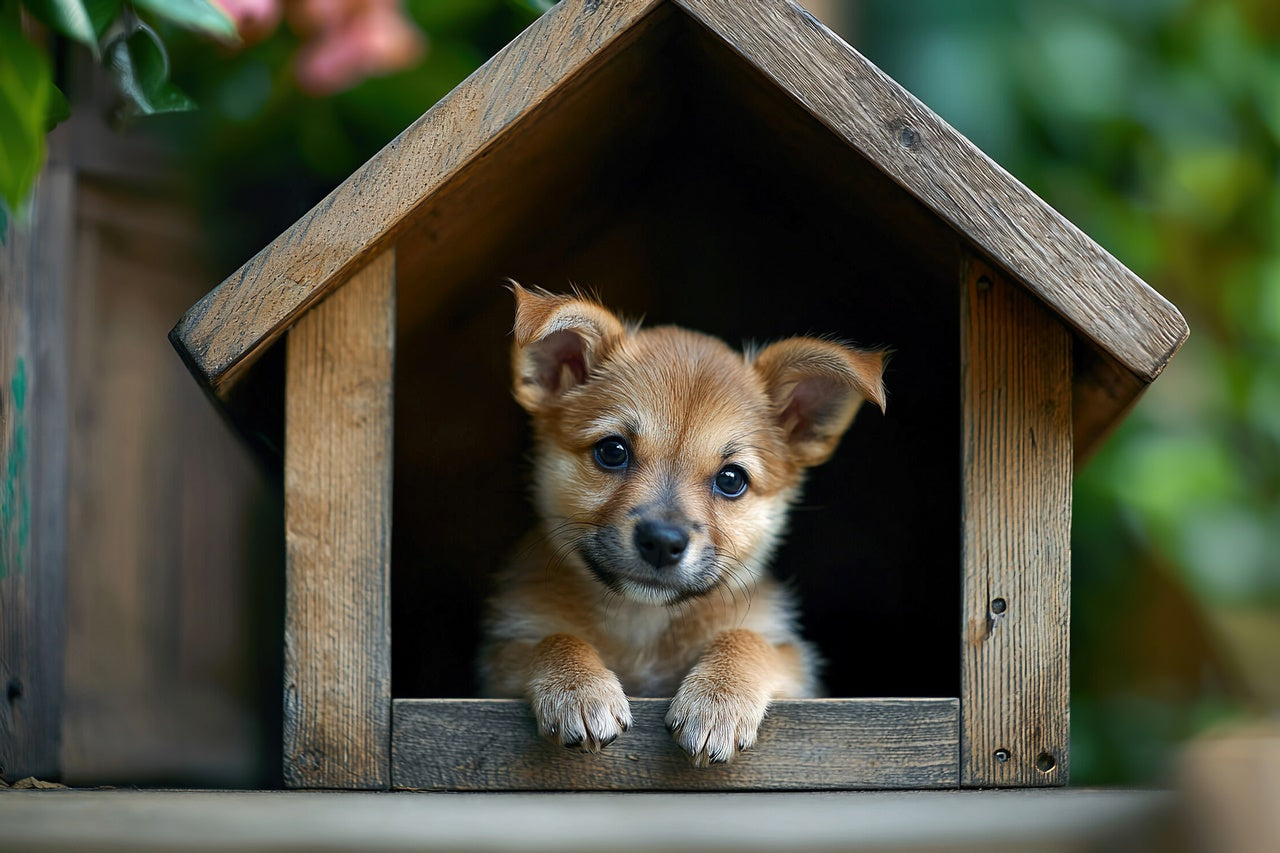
(660, 543)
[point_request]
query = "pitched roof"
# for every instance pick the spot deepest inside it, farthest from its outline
(1131, 330)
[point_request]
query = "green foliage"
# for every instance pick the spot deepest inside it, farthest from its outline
(198, 16)
(141, 66)
(112, 30)
(1155, 126)
(263, 153)
(69, 17)
(25, 95)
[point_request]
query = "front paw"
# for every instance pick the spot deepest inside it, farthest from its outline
(713, 723)
(585, 713)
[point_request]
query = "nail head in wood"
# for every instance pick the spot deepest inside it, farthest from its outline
(999, 606)
(1002, 755)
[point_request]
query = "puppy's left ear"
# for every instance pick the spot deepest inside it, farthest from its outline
(558, 340)
(817, 387)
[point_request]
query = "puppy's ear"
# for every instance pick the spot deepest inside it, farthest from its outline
(558, 340)
(817, 387)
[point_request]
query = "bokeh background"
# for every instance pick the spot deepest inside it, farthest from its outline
(1154, 125)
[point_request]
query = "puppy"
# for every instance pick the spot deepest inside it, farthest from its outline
(664, 465)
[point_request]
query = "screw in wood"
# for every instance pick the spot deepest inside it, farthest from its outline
(909, 137)
(1045, 762)
(1002, 755)
(999, 605)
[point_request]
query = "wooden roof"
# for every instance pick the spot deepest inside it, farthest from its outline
(1130, 331)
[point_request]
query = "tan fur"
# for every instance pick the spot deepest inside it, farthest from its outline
(581, 617)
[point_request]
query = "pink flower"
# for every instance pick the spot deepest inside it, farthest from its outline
(254, 19)
(349, 40)
(343, 41)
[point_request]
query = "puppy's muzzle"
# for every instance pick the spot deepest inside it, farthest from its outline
(660, 543)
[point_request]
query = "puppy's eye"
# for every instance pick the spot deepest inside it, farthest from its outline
(731, 481)
(612, 452)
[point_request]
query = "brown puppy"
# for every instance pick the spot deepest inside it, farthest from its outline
(664, 465)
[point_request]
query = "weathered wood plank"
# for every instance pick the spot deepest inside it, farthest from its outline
(1088, 287)
(1103, 393)
(34, 273)
(338, 460)
(492, 744)
(174, 551)
(1032, 821)
(1016, 540)
(235, 322)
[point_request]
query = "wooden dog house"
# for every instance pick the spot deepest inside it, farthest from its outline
(739, 169)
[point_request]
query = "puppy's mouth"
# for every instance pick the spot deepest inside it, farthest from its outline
(627, 575)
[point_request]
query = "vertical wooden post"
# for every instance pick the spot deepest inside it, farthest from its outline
(338, 421)
(34, 275)
(1016, 511)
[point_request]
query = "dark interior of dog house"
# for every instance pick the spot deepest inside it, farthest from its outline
(679, 185)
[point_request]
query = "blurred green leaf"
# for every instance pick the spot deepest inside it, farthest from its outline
(141, 68)
(198, 15)
(1208, 184)
(537, 7)
(1227, 554)
(442, 16)
(25, 90)
(58, 110)
(102, 13)
(245, 92)
(69, 17)
(1164, 474)
(1076, 58)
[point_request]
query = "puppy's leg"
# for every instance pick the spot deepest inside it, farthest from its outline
(577, 701)
(720, 704)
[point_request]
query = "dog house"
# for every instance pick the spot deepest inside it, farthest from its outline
(738, 169)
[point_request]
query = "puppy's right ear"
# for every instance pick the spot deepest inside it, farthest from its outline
(558, 340)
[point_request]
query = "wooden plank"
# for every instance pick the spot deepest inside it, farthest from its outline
(1073, 820)
(34, 274)
(1016, 540)
(338, 457)
(233, 324)
(493, 744)
(1082, 282)
(174, 549)
(1103, 393)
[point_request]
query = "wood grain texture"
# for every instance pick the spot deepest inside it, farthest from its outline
(1081, 281)
(222, 333)
(338, 457)
(1087, 286)
(34, 281)
(1016, 540)
(493, 745)
(1103, 393)
(175, 559)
